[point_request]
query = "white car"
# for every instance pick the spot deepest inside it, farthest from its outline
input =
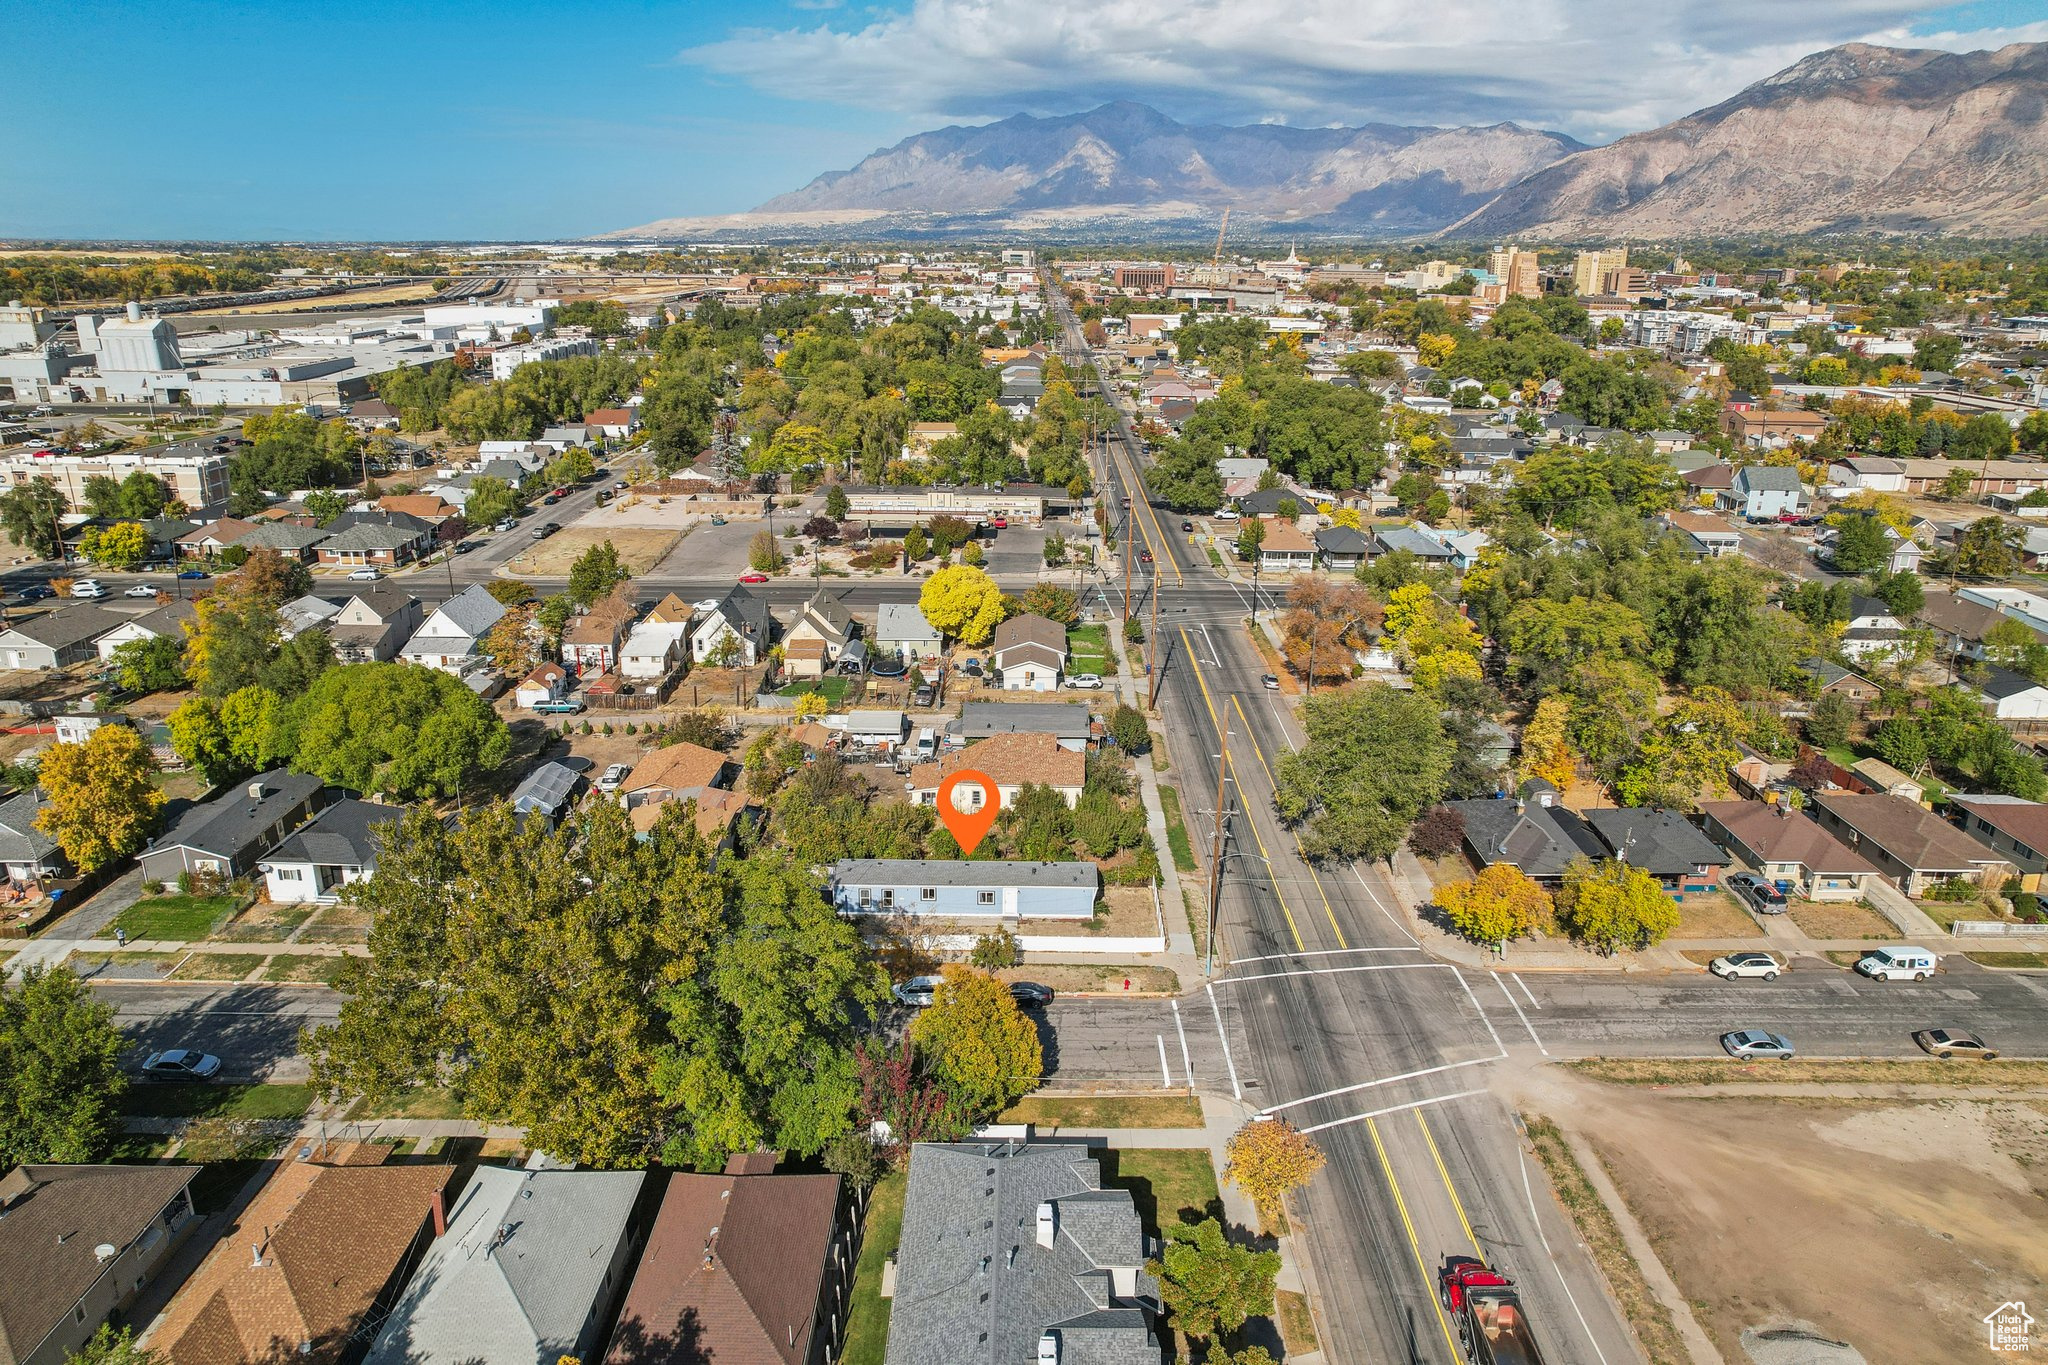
(1087, 682)
(1756, 1042)
(1225, 514)
(614, 777)
(140, 590)
(705, 604)
(364, 576)
(1737, 965)
(918, 991)
(89, 587)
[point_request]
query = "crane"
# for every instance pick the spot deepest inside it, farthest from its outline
(1217, 259)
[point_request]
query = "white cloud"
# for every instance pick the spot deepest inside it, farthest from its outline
(1595, 68)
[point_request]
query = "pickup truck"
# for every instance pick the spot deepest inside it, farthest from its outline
(1491, 1324)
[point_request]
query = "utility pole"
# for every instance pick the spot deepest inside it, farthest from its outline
(1216, 849)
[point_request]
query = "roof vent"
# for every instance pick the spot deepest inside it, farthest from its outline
(256, 791)
(1048, 1349)
(1048, 1224)
(106, 1251)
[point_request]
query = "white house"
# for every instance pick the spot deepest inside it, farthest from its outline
(1872, 632)
(901, 630)
(1870, 473)
(548, 681)
(338, 847)
(1764, 492)
(447, 640)
(1030, 653)
(167, 620)
(885, 730)
(652, 650)
(741, 615)
(2009, 696)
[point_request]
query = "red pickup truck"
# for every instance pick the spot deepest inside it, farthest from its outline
(1491, 1324)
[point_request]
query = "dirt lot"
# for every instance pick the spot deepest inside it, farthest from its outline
(1891, 1225)
(1714, 916)
(640, 548)
(1840, 919)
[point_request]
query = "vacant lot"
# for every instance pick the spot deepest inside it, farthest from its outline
(640, 549)
(1840, 919)
(1893, 1225)
(1714, 916)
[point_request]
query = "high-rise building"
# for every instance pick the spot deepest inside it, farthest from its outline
(1516, 271)
(1591, 269)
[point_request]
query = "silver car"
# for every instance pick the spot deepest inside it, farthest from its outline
(1755, 1042)
(918, 991)
(1735, 965)
(614, 777)
(180, 1064)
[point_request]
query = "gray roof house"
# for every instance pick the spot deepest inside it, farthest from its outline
(374, 542)
(448, 638)
(1762, 491)
(372, 625)
(825, 619)
(1660, 842)
(900, 629)
(1343, 548)
(1070, 722)
(1014, 1252)
(56, 638)
(166, 620)
(964, 890)
(305, 613)
(1395, 538)
(337, 848)
(26, 853)
(223, 837)
(525, 1275)
(287, 538)
(741, 614)
(1532, 831)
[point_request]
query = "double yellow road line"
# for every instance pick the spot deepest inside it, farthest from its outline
(1422, 1265)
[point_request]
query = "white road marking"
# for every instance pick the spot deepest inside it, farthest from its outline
(1479, 1009)
(1555, 1268)
(1391, 918)
(1212, 660)
(1187, 1064)
(1165, 1075)
(1320, 952)
(1235, 1092)
(1521, 1016)
(1385, 1080)
(1332, 971)
(1393, 1109)
(1526, 991)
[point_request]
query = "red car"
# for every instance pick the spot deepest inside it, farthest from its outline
(753, 578)
(1144, 556)
(999, 523)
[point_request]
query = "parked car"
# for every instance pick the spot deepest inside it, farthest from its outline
(1270, 681)
(36, 592)
(463, 547)
(1087, 682)
(546, 529)
(195, 574)
(561, 492)
(1226, 514)
(1755, 1042)
(180, 1064)
(1897, 964)
(364, 575)
(1030, 994)
(754, 577)
(550, 499)
(705, 604)
(614, 777)
(506, 524)
(998, 523)
(566, 706)
(1737, 965)
(1187, 525)
(1757, 893)
(89, 587)
(1954, 1042)
(140, 590)
(924, 696)
(916, 992)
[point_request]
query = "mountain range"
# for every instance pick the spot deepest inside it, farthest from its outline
(1854, 138)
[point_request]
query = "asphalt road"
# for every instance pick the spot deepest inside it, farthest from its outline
(254, 1030)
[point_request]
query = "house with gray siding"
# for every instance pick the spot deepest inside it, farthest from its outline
(57, 638)
(224, 837)
(950, 889)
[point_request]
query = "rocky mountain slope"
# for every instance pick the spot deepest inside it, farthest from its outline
(1855, 138)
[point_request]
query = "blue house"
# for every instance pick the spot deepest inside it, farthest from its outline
(1764, 492)
(963, 890)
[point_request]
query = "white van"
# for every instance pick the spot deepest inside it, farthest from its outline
(926, 748)
(1897, 964)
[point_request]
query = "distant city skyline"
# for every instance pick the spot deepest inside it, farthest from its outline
(238, 120)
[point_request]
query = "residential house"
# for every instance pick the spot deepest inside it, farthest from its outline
(224, 837)
(1068, 722)
(562, 437)
(902, 631)
(591, 639)
(1868, 473)
(743, 1268)
(448, 639)
(653, 649)
(56, 639)
(1832, 677)
(1662, 843)
(877, 729)
(338, 847)
(1879, 776)
(1708, 481)
(1872, 631)
(166, 621)
(1757, 429)
(1909, 844)
(1711, 537)
(373, 625)
(1273, 502)
(2010, 697)
(310, 612)
(1959, 624)
(527, 1273)
(547, 792)
(289, 539)
(1790, 848)
(1764, 492)
(1342, 549)
(206, 542)
(372, 414)
(1030, 653)
(428, 507)
(741, 616)
(1394, 539)
(2015, 829)
(1011, 762)
(548, 681)
(304, 1265)
(27, 855)
(1015, 1252)
(77, 1243)
(1532, 831)
(1285, 549)
(76, 727)
(675, 772)
(613, 423)
(951, 889)
(824, 620)
(375, 539)
(671, 610)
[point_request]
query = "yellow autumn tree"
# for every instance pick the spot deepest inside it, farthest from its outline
(1434, 348)
(1546, 753)
(1269, 1159)
(1500, 903)
(103, 803)
(963, 603)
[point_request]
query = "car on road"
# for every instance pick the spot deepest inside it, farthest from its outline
(1737, 965)
(180, 1064)
(1269, 681)
(546, 529)
(1758, 894)
(755, 577)
(550, 499)
(195, 574)
(463, 547)
(1897, 964)
(566, 706)
(1755, 1042)
(1954, 1042)
(1087, 682)
(916, 992)
(364, 575)
(614, 777)
(89, 587)
(1187, 526)
(140, 590)
(36, 592)
(1030, 994)
(1144, 556)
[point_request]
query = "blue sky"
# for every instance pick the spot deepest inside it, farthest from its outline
(452, 119)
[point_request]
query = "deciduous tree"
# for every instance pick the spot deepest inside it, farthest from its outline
(1546, 750)
(120, 546)
(60, 1078)
(390, 727)
(1499, 904)
(977, 1042)
(1614, 905)
(1438, 834)
(31, 512)
(1375, 758)
(596, 572)
(152, 664)
(962, 603)
(1269, 1159)
(103, 803)
(1210, 1284)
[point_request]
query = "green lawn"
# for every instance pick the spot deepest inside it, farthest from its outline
(183, 918)
(2010, 961)
(1106, 1111)
(1177, 1184)
(420, 1104)
(1176, 830)
(867, 1316)
(1088, 649)
(834, 689)
(217, 1101)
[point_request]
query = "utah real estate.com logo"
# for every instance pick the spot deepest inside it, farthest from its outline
(2010, 1326)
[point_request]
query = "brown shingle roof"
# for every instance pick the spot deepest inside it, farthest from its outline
(332, 1236)
(1008, 759)
(746, 1296)
(679, 767)
(427, 506)
(1911, 833)
(2025, 821)
(1033, 630)
(1777, 836)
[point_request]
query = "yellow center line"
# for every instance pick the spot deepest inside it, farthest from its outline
(1188, 646)
(1449, 1189)
(1321, 890)
(1155, 541)
(1429, 1285)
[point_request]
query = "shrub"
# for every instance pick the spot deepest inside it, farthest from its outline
(1953, 890)
(992, 952)
(2027, 906)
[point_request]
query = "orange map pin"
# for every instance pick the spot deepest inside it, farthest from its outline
(969, 826)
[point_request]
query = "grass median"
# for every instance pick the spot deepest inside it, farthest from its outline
(1176, 830)
(1728, 1071)
(1106, 1111)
